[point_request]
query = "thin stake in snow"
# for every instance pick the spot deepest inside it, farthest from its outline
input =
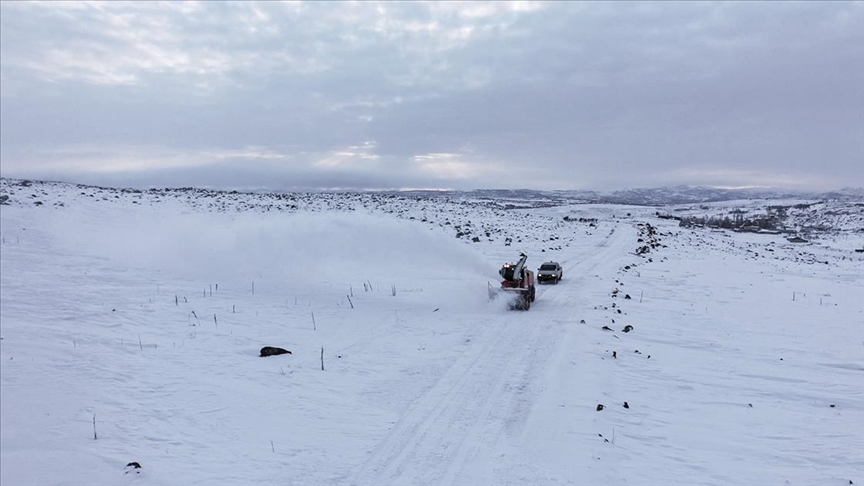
(314, 327)
(214, 320)
(94, 427)
(349, 301)
(139, 343)
(272, 447)
(322, 358)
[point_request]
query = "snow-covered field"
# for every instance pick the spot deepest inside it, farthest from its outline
(131, 324)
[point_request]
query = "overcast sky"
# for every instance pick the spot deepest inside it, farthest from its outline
(560, 95)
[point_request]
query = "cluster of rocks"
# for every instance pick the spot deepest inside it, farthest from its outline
(649, 238)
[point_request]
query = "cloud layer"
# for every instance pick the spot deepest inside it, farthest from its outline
(461, 95)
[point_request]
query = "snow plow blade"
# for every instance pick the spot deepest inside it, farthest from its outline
(517, 299)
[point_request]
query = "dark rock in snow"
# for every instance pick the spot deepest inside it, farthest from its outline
(627, 328)
(600, 407)
(273, 351)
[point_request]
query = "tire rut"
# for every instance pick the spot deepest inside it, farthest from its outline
(435, 426)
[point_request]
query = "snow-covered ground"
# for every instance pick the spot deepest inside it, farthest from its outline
(131, 324)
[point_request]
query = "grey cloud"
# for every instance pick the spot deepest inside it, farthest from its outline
(561, 95)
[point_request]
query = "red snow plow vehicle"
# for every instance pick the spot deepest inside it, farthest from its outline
(518, 284)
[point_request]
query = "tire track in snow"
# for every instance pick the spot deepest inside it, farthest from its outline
(501, 410)
(474, 402)
(619, 241)
(425, 432)
(539, 346)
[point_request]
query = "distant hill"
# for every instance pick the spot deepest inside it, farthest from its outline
(657, 196)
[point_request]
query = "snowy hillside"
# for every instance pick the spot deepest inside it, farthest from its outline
(131, 324)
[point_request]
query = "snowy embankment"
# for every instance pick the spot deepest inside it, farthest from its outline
(146, 311)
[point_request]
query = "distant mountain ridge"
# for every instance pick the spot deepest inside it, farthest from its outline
(656, 196)
(702, 194)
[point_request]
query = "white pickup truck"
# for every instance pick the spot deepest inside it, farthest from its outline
(549, 272)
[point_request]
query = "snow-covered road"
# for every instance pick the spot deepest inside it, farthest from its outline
(477, 409)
